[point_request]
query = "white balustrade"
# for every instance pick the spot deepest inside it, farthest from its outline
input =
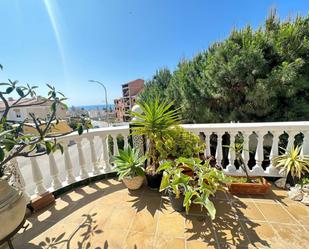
(94, 160)
(246, 129)
(37, 177)
(245, 150)
(54, 172)
(259, 155)
(70, 178)
(291, 139)
(207, 142)
(81, 158)
(125, 139)
(105, 154)
(115, 145)
(219, 154)
(231, 156)
(271, 169)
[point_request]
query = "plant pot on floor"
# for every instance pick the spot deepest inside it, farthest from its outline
(12, 208)
(154, 181)
(177, 203)
(133, 183)
(259, 186)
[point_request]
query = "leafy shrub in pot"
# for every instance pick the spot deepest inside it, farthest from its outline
(196, 189)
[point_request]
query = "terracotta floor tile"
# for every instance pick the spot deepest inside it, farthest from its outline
(199, 228)
(275, 213)
(261, 234)
(145, 222)
(294, 236)
(300, 212)
(167, 242)
(139, 240)
(247, 210)
(111, 239)
(230, 231)
(120, 218)
(197, 244)
(171, 224)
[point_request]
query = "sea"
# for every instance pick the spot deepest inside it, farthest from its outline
(94, 107)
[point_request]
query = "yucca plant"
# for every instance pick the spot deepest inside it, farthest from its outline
(292, 162)
(154, 122)
(128, 163)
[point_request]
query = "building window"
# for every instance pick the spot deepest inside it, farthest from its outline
(17, 113)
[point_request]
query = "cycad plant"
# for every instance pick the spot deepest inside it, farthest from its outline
(128, 163)
(154, 122)
(292, 162)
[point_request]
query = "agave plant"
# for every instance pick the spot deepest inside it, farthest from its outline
(128, 163)
(292, 162)
(154, 122)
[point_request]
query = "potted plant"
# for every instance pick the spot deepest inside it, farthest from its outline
(180, 143)
(247, 184)
(294, 166)
(186, 190)
(16, 142)
(154, 123)
(130, 167)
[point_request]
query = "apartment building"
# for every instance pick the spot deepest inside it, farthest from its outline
(130, 91)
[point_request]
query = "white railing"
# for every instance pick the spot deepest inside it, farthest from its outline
(72, 166)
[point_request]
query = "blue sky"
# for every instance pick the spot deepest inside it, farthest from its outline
(68, 42)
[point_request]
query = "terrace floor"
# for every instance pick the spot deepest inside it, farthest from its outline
(106, 215)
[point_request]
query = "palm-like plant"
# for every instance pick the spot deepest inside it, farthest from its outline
(154, 122)
(128, 163)
(292, 162)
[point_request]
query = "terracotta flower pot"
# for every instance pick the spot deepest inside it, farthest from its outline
(253, 188)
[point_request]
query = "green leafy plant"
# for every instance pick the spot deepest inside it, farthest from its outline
(15, 141)
(292, 162)
(196, 189)
(154, 122)
(179, 143)
(128, 163)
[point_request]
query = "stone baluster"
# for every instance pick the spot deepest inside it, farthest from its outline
(105, 154)
(305, 146)
(231, 156)
(115, 145)
(290, 139)
(94, 160)
(207, 142)
(54, 172)
(246, 150)
(37, 177)
(271, 169)
(81, 158)
(259, 155)
(125, 139)
(70, 178)
(219, 154)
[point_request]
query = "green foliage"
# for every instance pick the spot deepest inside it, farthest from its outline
(154, 122)
(128, 163)
(14, 142)
(179, 143)
(253, 75)
(292, 162)
(157, 85)
(196, 189)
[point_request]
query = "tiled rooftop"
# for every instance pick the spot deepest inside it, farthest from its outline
(106, 215)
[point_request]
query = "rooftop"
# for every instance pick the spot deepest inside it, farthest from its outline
(106, 214)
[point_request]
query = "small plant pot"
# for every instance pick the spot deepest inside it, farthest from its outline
(133, 183)
(154, 181)
(253, 188)
(177, 203)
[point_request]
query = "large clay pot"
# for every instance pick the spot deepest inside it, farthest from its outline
(133, 183)
(12, 208)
